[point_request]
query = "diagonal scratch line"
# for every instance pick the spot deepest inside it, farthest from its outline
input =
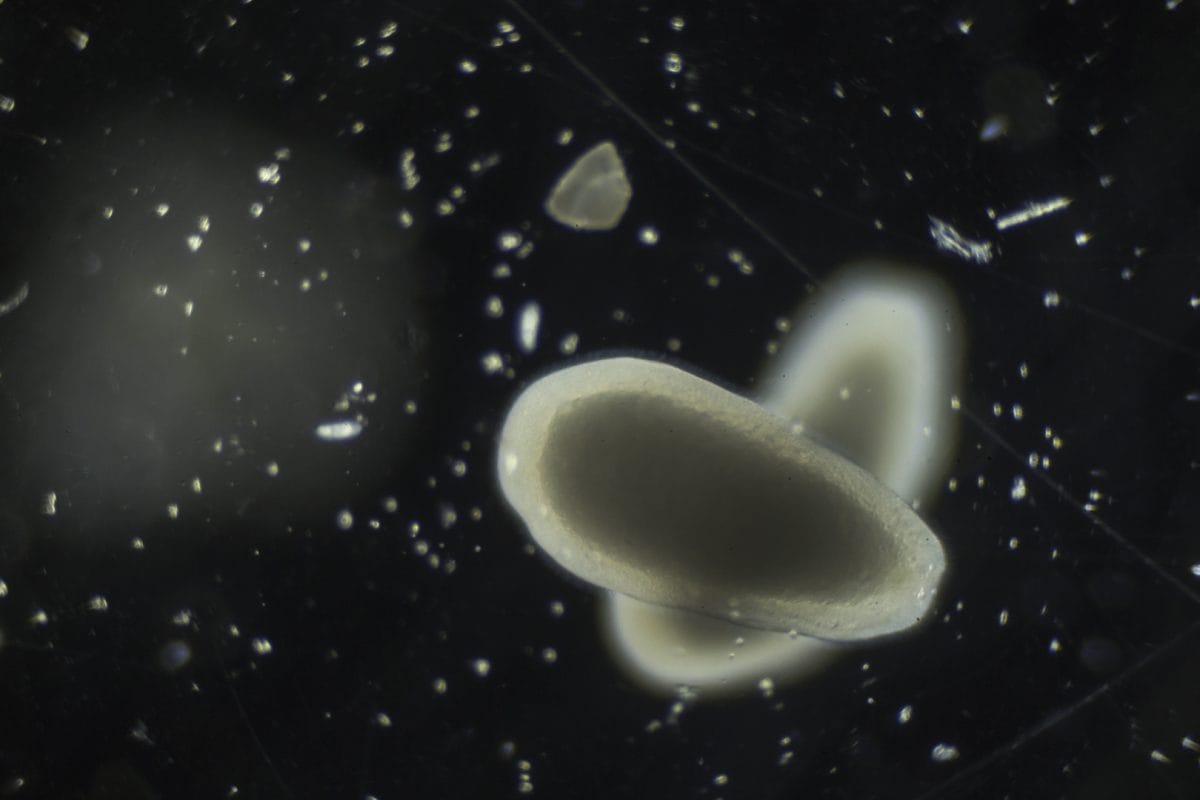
(1066, 496)
(1058, 716)
(1092, 311)
(672, 152)
(249, 726)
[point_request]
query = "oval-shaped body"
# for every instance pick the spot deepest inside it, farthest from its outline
(647, 480)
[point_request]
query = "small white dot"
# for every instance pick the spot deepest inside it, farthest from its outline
(943, 752)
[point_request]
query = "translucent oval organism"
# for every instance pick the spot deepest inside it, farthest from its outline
(647, 480)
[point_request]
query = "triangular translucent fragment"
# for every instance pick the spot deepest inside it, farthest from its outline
(593, 193)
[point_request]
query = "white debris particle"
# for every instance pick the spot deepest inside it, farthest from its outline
(943, 753)
(492, 362)
(673, 63)
(440, 686)
(173, 511)
(720, 780)
(1055, 646)
(39, 618)
(268, 174)
(49, 501)
(408, 169)
(3, 589)
(467, 67)
(904, 715)
(1188, 742)
(739, 260)
(256, 210)
(97, 603)
(549, 655)
(197, 487)
(557, 609)
(493, 306)
(1160, 757)
(528, 321)
(1018, 412)
(181, 618)
(1051, 299)
(648, 235)
(508, 240)
(383, 719)
(947, 238)
(1002, 619)
(1019, 490)
(481, 666)
(766, 687)
(569, 344)
(339, 430)
(261, 645)
(345, 519)
(1082, 238)
(194, 241)
(7, 104)
(458, 468)
(1196, 569)
(1034, 209)
(272, 469)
